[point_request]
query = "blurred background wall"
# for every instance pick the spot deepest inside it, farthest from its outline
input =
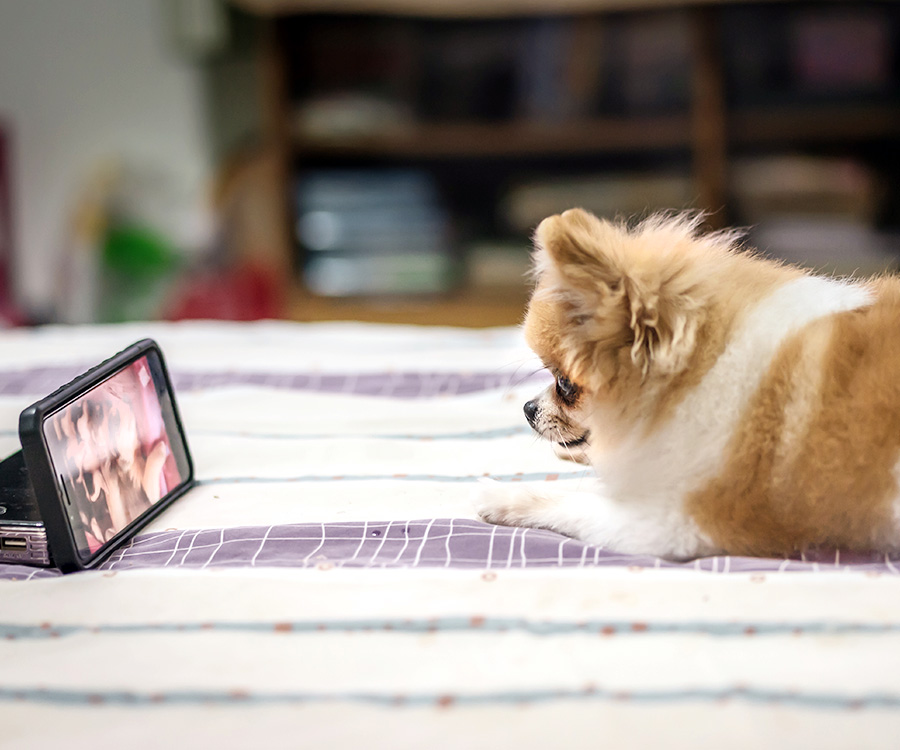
(83, 84)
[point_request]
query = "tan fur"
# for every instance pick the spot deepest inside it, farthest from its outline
(813, 461)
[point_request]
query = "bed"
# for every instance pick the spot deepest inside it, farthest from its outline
(327, 583)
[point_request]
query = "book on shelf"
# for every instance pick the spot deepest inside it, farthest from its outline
(373, 232)
(608, 195)
(814, 211)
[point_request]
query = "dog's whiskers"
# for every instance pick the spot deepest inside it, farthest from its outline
(559, 441)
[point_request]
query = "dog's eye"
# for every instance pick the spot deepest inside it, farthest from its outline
(566, 389)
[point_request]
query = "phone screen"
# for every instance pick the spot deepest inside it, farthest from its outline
(116, 451)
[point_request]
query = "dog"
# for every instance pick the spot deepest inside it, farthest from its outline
(728, 403)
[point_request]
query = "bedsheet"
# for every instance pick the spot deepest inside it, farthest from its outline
(327, 583)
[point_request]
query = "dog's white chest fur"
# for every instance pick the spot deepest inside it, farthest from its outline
(689, 448)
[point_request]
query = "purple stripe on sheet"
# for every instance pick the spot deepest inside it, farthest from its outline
(43, 380)
(439, 542)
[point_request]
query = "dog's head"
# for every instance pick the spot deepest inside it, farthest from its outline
(615, 317)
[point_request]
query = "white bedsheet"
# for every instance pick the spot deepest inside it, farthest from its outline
(328, 585)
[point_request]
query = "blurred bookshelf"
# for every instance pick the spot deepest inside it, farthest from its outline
(466, 123)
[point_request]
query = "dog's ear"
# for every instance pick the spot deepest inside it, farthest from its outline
(665, 318)
(581, 250)
(638, 288)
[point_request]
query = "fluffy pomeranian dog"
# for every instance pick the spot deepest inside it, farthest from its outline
(729, 404)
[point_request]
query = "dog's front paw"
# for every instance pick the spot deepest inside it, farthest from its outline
(504, 505)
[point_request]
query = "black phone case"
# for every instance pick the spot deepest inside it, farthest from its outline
(50, 499)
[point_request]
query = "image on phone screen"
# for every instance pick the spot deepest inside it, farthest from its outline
(115, 452)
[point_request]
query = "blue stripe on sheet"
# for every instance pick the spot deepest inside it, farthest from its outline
(458, 543)
(477, 624)
(810, 700)
(404, 385)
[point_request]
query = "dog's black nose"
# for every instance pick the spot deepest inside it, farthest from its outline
(531, 412)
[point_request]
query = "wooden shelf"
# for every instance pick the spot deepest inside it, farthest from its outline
(454, 139)
(819, 124)
(463, 8)
(747, 127)
(470, 308)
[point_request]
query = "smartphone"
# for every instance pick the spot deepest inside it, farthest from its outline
(100, 458)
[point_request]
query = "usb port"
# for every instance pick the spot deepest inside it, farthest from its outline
(13, 543)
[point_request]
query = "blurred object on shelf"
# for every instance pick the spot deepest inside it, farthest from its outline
(818, 212)
(373, 232)
(470, 70)
(561, 61)
(243, 291)
(382, 74)
(607, 196)
(244, 273)
(497, 265)
(350, 115)
(140, 248)
(155, 229)
(585, 63)
(131, 234)
(355, 80)
(795, 184)
(541, 67)
(842, 51)
(791, 54)
(836, 245)
(9, 314)
(648, 70)
(351, 78)
(138, 264)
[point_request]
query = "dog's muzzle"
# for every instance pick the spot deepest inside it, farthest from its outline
(532, 412)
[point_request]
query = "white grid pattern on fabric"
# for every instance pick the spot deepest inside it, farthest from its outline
(448, 543)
